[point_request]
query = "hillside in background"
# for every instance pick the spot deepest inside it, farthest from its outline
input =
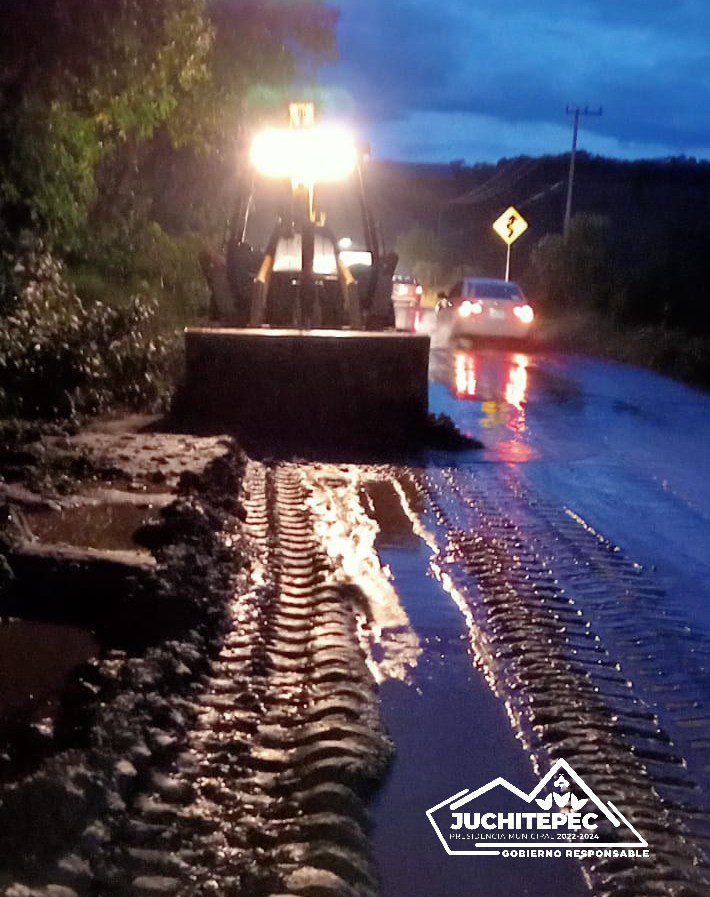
(657, 222)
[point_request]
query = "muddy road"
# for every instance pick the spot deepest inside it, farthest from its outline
(557, 586)
(255, 678)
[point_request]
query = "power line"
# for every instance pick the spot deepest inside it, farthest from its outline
(509, 174)
(473, 195)
(473, 226)
(577, 112)
(541, 195)
(491, 188)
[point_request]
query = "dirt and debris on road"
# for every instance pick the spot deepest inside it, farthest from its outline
(223, 740)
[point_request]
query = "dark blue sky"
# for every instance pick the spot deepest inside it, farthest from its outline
(481, 79)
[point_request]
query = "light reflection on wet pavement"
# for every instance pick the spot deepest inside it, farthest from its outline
(593, 483)
(450, 732)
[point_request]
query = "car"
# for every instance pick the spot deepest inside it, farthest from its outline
(406, 297)
(484, 306)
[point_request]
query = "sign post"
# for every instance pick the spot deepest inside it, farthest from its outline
(510, 226)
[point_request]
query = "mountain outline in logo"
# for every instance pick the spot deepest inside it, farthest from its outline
(561, 807)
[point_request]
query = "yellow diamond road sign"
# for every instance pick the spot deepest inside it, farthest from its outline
(510, 226)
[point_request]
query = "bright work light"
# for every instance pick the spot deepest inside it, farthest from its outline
(305, 156)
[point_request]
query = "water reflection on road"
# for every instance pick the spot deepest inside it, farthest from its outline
(624, 448)
(491, 390)
(622, 452)
(593, 487)
(499, 383)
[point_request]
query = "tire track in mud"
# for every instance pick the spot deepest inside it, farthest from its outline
(544, 595)
(268, 794)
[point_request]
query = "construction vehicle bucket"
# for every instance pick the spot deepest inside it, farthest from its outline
(319, 386)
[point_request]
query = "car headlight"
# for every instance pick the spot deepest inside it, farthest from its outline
(524, 313)
(468, 308)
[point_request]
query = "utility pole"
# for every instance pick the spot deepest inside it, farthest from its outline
(577, 112)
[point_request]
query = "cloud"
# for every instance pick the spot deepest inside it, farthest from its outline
(645, 61)
(446, 136)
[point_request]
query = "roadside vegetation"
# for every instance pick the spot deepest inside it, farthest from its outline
(649, 311)
(119, 128)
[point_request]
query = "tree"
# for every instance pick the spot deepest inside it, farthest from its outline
(86, 86)
(421, 253)
(576, 270)
(260, 48)
(79, 80)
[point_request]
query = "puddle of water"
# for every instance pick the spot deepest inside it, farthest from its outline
(108, 527)
(35, 661)
(450, 732)
(345, 525)
(385, 507)
(524, 407)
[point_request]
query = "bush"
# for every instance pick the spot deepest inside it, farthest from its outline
(147, 261)
(576, 270)
(169, 266)
(60, 356)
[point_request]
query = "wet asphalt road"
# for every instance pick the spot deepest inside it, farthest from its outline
(599, 474)
(624, 448)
